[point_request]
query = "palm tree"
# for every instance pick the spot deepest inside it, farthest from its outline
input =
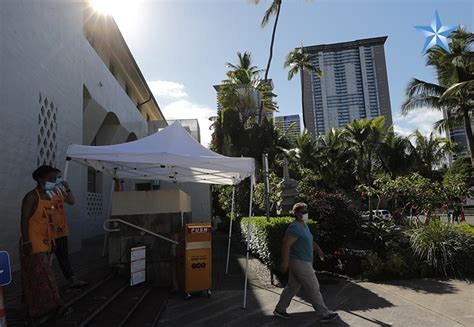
(299, 62)
(394, 154)
(335, 161)
(429, 152)
(454, 92)
(364, 137)
(273, 10)
(243, 73)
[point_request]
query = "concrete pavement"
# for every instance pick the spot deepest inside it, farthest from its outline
(422, 302)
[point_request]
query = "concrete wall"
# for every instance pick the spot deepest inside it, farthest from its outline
(200, 195)
(44, 55)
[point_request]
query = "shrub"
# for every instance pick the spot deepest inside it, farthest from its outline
(467, 228)
(445, 249)
(394, 266)
(336, 216)
(383, 236)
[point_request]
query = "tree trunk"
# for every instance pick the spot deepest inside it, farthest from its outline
(270, 57)
(469, 138)
(369, 182)
(302, 96)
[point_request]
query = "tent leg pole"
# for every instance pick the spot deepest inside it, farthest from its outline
(248, 246)
(66, 169)
(106, 235)
(230, 231)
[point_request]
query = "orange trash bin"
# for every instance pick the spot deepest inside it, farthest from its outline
(197, 258)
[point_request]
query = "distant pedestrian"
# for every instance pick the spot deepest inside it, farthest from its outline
(297, 257)
(450, 216)
(61, 194)
(40, 291)
(456, 215)
(463, 217)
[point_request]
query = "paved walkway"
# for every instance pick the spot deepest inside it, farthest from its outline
(424, 302)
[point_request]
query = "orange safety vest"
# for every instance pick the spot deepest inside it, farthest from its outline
(40, 226)
(61, 228)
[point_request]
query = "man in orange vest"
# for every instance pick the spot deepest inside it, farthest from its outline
(63, 194)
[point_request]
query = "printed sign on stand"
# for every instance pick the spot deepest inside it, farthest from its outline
(5, 270)
(137, 265)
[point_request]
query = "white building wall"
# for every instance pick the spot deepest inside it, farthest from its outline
(43, 50)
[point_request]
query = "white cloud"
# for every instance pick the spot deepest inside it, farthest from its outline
(168, 89)
(184, 109)
(402, 130)
(421, 119)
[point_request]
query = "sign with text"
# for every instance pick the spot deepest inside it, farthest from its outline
(198, 230)
(5, 269)
(137, 265)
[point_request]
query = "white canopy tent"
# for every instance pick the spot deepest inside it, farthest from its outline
(170, 155)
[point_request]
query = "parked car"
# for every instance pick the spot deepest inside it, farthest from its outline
(382, 214)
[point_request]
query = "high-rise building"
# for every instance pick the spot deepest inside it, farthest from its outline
(458, 136)
(354, 84)
(289, 125)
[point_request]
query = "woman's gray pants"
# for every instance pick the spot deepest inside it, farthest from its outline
(302, 275)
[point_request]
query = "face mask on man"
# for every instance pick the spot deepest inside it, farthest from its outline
(59, 180)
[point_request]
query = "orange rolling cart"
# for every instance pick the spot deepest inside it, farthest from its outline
(196, 260)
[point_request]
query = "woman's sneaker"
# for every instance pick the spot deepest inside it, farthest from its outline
(329, 317)
(281, 314)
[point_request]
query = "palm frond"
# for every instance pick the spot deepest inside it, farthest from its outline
(448, 124)
(270, 12)
(456, 88)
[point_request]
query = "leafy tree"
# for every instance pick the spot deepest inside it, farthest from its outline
(454, 92)
(429, 152)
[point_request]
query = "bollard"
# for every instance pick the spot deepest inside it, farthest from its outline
(3, 317)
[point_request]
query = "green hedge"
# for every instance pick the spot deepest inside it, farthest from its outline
(394, 252)
(266, 238)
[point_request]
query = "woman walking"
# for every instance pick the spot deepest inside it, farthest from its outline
(40, 290)
(297, 257)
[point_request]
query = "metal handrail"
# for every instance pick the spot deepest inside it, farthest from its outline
(136, 227)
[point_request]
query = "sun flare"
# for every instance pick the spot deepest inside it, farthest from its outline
(110, 7)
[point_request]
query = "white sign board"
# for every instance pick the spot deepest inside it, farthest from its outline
(137, 265)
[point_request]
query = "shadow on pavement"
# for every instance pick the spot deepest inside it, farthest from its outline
(427, 286)
(372, 320)
(349, 296)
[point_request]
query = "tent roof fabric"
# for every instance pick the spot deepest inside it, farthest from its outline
(172, 155)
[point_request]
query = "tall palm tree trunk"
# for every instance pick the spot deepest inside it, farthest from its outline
(302, 96)
(468, 129)
(270, 57)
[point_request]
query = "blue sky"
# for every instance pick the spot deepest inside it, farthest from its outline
(182, 46)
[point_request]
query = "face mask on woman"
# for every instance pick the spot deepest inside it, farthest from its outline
(48, 186)
(59, 180)
(305, 217)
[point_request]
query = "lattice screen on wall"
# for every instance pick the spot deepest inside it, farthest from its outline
(95, 205)
(47, 131)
